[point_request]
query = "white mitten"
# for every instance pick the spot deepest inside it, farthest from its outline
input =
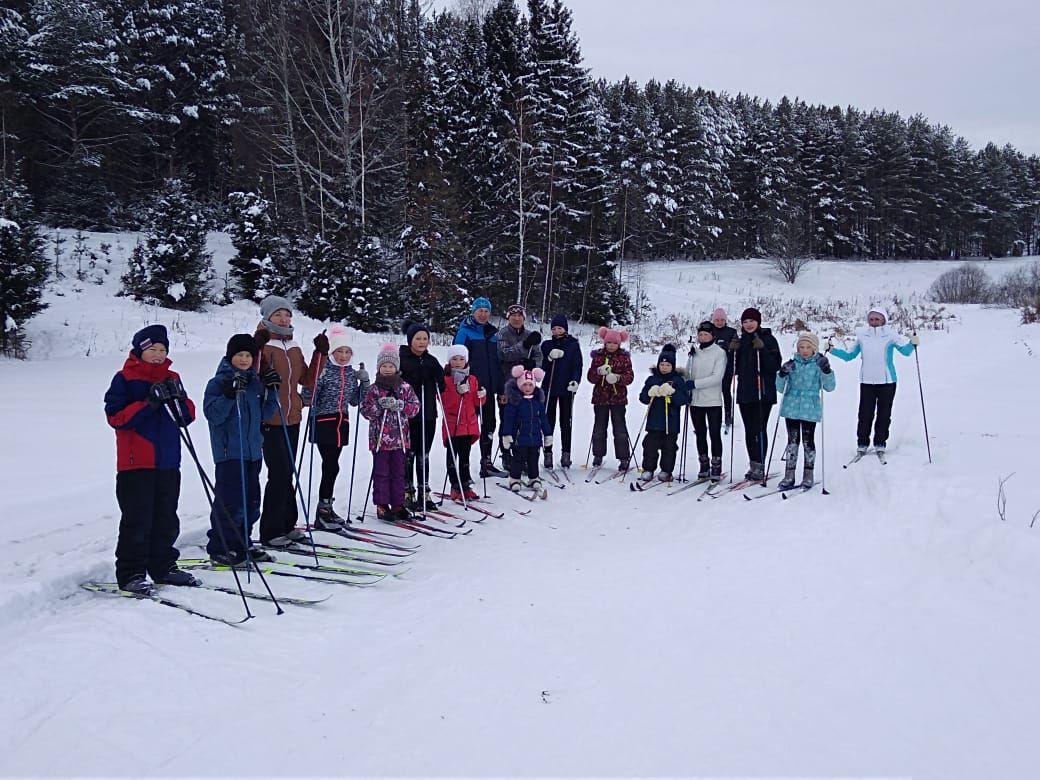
(613, 379)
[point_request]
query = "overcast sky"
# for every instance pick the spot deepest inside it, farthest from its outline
(974, 66)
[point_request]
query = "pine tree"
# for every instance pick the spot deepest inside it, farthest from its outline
(369, 300)
(254, 236)
(325, 281)
(171, 267)
(23, 267)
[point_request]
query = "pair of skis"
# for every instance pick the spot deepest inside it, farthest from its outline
(881, 456)
(526, 492)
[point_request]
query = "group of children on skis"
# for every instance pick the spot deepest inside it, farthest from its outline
(254, 404)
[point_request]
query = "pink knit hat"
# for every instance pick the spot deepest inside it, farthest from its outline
(613, 336)
(532, 377)
(719, 314)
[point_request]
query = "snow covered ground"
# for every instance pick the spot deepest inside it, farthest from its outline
(887, 629)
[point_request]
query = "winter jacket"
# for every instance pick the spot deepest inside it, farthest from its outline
(512, 352)
(747, 367)
(393, 433)
(561, 372)
(146, 438)
(461, 409)
(426, 376)
(254, 404)
(723, 336)
(877, 346)
(604, 393)
(707, 369)
(524, 418)
(286, 357)
(484, 363)
(801, 389)
(337, 390)
(664, 411)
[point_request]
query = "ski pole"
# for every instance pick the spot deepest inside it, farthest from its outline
(451, 447)
(186, 439)
(242, 476)
(685, 440)
(371, 479)
(823, 449)
(760, 426)
(353, 459)
(296, 473)
(631, 446)
(733, 400)
(920, 389)
(772, 448)
(309, 409)
(447, 431)
(480, 433)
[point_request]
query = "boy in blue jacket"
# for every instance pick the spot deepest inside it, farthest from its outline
(562, 354)
(235, 405)
(666, 392)
(800, 379)
(525, 427)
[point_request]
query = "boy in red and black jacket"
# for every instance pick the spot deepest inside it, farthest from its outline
(145, 404)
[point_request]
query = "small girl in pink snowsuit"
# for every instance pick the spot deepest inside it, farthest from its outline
(388, 404)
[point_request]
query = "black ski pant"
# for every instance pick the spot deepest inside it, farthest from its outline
(148, 522)
(421, 433)
(800, 432)
(565, 403)
(755, 416)
(707, 421)
(524, 459)
(329, 470)
(615, 415)
(279, 513)
(665, 445)
(487, 428)
(461, 446)
(875, 399)
(228, 518)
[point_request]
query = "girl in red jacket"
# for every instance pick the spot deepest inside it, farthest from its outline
(463, 396)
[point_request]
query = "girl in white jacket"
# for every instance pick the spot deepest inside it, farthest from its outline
(706, 368)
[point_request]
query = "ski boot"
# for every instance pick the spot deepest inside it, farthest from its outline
(623, 464)
(565, 460)
(456, 494)
(260, 555)
(138, 585)
(487, 469)
(177, 576)
(547, 458)
(665, 476)
(327, 519)
(755, 473)
(515, 485)
(715, 470)
(704, 469)
(597, 460)
(807, 470)
(647, 476)
(791, 463)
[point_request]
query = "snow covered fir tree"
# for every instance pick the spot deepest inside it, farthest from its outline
(23, 267)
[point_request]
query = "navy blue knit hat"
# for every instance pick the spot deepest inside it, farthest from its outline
(410, 328)
(560, 320)
(667, 355)
(146, 337)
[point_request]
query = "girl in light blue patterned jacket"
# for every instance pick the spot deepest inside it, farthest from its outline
(801, 379)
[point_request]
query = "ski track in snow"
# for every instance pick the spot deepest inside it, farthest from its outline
(887, 629)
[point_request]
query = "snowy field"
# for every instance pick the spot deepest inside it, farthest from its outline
(887, 630)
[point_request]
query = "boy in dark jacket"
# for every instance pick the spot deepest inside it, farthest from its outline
(146, 403)
(480, 338)
(525, 428)
(235, 405)
(666, 392)
(425, 375)
(756, 359)
(562, 354)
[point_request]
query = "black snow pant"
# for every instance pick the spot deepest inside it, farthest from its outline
(228, 517)
(707, 421)
(279, 514)
(871, 398)
(615, 415)
(417, 463)
(756, 425)
(487, 428)
(461, 446)
(524, 459)
(148, 523)
(566, 406)
(331, 435)
(665, 445)
(727, 392)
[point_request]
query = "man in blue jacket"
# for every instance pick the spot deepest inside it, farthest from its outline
(479, 336)
(562, 361)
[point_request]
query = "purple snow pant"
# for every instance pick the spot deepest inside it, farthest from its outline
(388, 478)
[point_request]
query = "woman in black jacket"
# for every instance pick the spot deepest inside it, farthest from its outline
(424, 373)
(756, 359)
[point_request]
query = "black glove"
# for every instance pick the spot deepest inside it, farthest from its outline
(534, 338)
(270, 378)
(321, 343)
(787, 368)
(261, 337)
(158, 394)
(528, 364)
(823, 363)
(237, 384)
(176, 389)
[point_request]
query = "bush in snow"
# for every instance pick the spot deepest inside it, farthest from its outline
(260, 248)
(23, 267)
(789, 267)
(171, 267)
(1018, 288)
(966, 283)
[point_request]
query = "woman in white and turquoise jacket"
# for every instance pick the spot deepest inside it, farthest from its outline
(876, 345)
(801, 379)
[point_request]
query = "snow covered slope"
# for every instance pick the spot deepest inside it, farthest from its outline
(887, 629)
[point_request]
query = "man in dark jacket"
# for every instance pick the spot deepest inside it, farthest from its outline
(517, 346)
(723, 335)
(480, 337)
(562, 354)
(756, 359)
